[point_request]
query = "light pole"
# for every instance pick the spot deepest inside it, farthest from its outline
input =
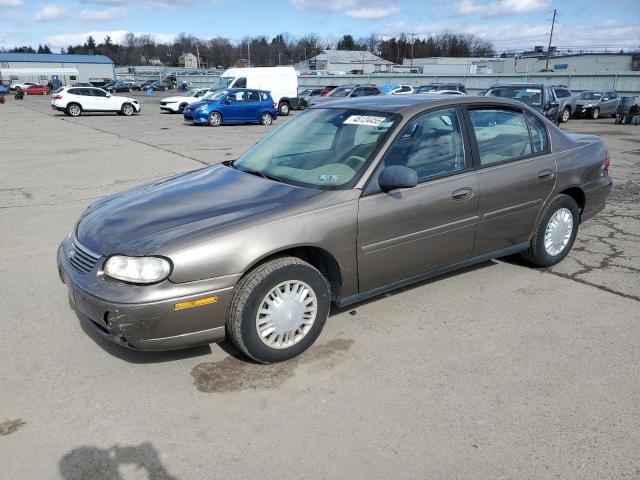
(279, 58)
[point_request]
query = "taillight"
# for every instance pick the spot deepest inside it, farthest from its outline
(607, 164)
(57, 97)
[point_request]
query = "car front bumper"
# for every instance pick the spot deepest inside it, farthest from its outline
(196, 117)
(109, 308)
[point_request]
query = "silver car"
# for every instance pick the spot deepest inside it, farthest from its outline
(595, 104)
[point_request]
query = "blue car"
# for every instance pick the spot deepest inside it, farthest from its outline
(3, 89)
(236, 105)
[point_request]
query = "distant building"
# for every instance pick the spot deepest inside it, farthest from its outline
(345, 61)
(42, 67)
(188, 60)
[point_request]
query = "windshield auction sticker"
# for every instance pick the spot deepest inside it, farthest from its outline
(368, 120)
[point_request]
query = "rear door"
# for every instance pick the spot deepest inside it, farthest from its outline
(406, 232)
(252, 106)
(516, 174)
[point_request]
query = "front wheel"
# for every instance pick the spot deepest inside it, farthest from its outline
(182, 107)
(215, 119)
(266, 119)
(595, 113)
(564, 117)
(127, 110)
(283, 109)
(554, 233)
(278, 310)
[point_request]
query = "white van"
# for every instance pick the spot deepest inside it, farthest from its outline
(282, 82)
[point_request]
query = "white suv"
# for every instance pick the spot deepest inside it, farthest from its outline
(75, 100)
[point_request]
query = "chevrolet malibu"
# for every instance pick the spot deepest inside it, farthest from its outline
(344, 202)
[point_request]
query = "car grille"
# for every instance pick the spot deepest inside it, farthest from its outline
(81, 258)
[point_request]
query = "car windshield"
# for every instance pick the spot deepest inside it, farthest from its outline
(222, 82)
(191, 93)
(323, 148)
(589, 96)
(340, 92)
(306, 91)
(529, 95)
(215, 95)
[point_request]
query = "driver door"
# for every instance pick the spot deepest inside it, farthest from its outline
(234, 107)
(407, 232)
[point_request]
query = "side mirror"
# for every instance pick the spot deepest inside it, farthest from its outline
(397, 176)
(226, 101)
(605, 99)
(108, 94)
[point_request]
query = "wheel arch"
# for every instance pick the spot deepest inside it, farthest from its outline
(318, 257)
(577, 194)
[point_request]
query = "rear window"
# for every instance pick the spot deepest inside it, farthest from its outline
(502, 135)
(562, 92)
(531, 95)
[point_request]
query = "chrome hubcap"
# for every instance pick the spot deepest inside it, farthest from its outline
(558, 232)
(266, 119)
(286, 314)
(215, 119)
(565, 115)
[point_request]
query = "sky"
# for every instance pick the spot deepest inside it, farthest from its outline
(509, 24)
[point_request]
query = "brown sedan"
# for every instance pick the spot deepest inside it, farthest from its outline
(346, 201)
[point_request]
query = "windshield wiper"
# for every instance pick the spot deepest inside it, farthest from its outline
(259, 173)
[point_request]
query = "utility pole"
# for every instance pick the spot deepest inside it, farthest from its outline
(553, 22)
(411, 64)
(249, 53)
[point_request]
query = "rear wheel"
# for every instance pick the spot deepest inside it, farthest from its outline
(127, 110)
(564, 116)
(266, 119)
(555, 232)
(215, 119)
(73, 110)
(278, 310)
(595, 113)
(283, 109)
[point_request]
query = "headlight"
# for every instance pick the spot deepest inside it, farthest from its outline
(588, 105)
(202, 107)
(137, 269)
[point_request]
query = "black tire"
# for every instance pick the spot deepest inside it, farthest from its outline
(537, 254)
(266, 119)
(247, 298)
(215, 119)
(565, 115)
(182, 107)
(595, 113)
(127, 109)
(73, 110)
(284, 109)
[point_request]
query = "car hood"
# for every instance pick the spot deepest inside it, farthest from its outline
(139, 220)
(198, 104)
(587, 102)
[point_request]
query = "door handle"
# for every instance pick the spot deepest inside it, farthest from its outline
(546, 175)
(462, 194)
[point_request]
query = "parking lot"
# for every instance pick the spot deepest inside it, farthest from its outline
(496, 372)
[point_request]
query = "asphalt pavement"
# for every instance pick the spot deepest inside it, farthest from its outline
(496, 372)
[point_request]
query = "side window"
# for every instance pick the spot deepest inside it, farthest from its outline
(253, 96)
(612, 96)
(371, 91)
(358, 92)
(236, 97)
(405, 88)
(240, 83)
(98, 93)
(539, 138)
(502, 135)
(431, 145)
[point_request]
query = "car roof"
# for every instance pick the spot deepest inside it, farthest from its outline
(516, 84)
(410, 104)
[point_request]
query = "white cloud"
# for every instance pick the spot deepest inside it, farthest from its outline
(501, 7)
(51, 11)
(66, 39)
(102, 15)
(372, 13)
(521, 36)
(10, 3)
(148, 3)
(323, 6)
